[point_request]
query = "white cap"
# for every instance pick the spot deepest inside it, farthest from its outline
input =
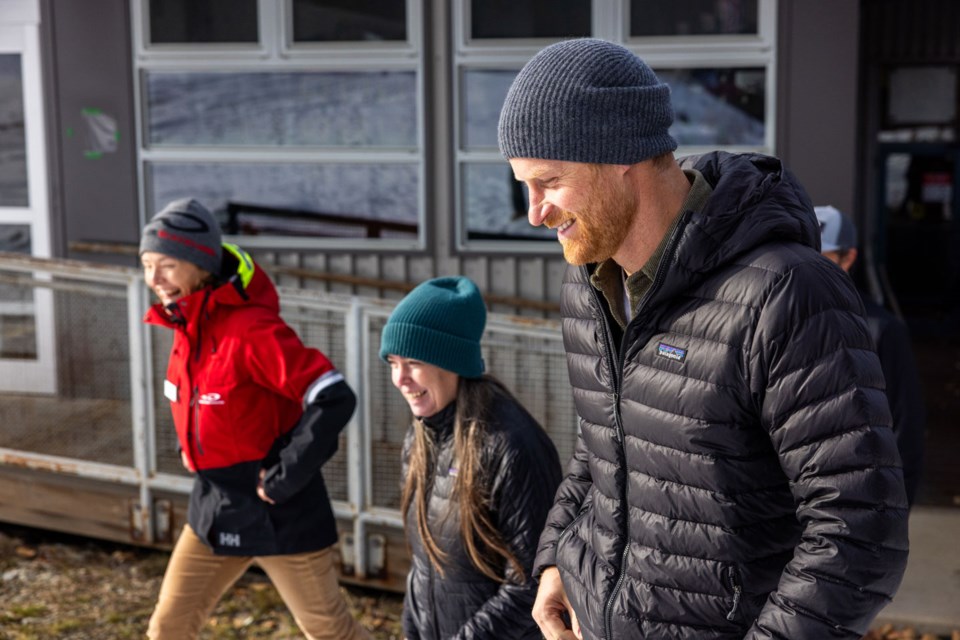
(837, 231)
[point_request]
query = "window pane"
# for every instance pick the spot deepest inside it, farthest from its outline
(13, 145)
(712, 106)
(717, 106)
(203, 21)
(530, 18)
(692, 17)
(495, 205)
(288, 109)
(349, 20)
(342, 200)
(18, 333)
(484, 91)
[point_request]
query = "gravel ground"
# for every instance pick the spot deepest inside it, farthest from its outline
(61, 587)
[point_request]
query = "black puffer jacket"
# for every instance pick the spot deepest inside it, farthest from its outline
(524, 472)
(736, 475)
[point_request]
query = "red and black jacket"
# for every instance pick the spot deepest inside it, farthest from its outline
(246, 395)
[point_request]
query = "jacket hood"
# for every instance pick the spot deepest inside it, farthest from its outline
(243, 282)
(755, 201)
(247, 283)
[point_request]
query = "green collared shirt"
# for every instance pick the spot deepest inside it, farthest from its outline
(608, 277)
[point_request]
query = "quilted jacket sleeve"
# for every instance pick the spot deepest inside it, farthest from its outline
(567, 505)
(523, 492)
(818, 385)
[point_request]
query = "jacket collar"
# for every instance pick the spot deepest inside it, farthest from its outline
(247, 284)
(440, 424)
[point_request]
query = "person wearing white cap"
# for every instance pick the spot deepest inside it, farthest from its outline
(891, 337)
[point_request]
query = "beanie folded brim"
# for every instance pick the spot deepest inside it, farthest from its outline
(586, 100)
(447, 351)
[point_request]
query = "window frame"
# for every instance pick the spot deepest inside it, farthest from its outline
(276, 51)
(20, 36)
(610, 22)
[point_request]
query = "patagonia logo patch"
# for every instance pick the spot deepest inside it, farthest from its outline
(665, 350)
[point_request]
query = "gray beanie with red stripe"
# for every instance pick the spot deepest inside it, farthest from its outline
(186, 230)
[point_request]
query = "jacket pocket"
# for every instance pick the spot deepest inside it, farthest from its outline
(584, 508)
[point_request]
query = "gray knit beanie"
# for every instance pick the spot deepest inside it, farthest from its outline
(586, 100)
(186, 230)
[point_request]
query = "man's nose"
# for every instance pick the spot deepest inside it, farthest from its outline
(537, 210)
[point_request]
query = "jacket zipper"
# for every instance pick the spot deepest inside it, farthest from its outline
(195, 404)
(195, 395)
(616, 366)
(608, 616)
(615, 374)
(733, 576)
(433, 608)
(570, 526)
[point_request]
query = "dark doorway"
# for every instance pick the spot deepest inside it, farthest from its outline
(916, 244)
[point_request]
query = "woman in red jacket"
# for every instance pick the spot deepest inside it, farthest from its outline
(257, 414)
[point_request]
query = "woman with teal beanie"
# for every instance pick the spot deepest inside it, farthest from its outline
(479, 473)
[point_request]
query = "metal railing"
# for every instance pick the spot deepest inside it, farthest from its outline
(105, 420)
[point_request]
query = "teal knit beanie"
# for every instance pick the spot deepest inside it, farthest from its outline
(440, 322)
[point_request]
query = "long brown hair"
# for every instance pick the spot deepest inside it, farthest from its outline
(470, 498)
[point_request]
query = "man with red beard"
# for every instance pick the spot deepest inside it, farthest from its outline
(735, 474)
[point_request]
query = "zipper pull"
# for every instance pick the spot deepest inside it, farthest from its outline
(737, 592)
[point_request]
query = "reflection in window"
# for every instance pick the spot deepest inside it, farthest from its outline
(530, 18)
(336, 109)
(349, 20)
(18, 334)
(717, 107)
(203, 21)
(290, 199)
(484, 91)
(692, 17)
(13, 149)
(496, 205)
(712, 106)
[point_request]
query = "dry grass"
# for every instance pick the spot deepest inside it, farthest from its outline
(54, 586)
(67, 588)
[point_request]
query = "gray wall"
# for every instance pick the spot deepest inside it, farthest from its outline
(88, 66)
(817, 97)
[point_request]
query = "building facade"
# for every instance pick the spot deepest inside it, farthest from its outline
(351, 144)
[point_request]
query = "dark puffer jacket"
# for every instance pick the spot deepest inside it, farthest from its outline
(524, 471)
(736, 475)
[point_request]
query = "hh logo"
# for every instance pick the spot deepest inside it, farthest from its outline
(229, 539)
(665, 350)
(211, 398)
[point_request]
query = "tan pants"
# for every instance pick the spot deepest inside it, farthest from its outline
(196, 579)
